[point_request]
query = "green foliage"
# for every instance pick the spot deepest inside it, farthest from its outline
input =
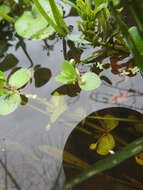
(68, 74)
(89, 81)
(19, 78)
(9, 96)
(33, 25)
(9, 102)
(107, 163)
(137, 39)
(4, 9)
(133, 35)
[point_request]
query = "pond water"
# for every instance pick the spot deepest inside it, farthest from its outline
(32, 139)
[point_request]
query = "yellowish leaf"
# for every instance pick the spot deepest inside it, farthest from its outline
(105, 143)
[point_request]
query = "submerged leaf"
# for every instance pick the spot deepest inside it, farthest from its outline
(110, 124)
(89, 81)
(19, 78)
(8, 103)
(105, 143)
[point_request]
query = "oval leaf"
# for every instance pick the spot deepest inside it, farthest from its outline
(89, 81)
(33, 25)
(19, 78)
(8, 103)
(105, 143)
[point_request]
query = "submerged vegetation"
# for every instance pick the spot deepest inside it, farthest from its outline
(102, 26)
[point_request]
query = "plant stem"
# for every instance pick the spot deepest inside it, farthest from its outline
(49, 20)
(7, 18)
(115, 118)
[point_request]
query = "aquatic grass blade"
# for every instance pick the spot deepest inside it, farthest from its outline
(49, 20)
(111, 161)
(57, 16)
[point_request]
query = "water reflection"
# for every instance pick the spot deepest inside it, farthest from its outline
(35, 135)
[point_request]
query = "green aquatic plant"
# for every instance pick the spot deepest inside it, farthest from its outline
(45, 18)
(106, 142)
(133, 35)
(107, 163)
(9, 94)
(70, 75)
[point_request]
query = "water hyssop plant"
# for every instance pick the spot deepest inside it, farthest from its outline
(101, 25)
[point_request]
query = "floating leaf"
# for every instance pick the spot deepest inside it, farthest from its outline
(105, 143)
(19, 78)
(33, 25)
(110, 124)
(89, 81)
(4, 9)
(139, 159)
(9, 102)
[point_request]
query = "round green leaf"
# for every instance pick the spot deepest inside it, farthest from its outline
(105, 143)
(19, 78)
(33, 25)
(8, 103)
(89, 81)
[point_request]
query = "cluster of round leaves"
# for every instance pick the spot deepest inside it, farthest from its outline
(69, 75)
(9, 95)
(106, 142)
